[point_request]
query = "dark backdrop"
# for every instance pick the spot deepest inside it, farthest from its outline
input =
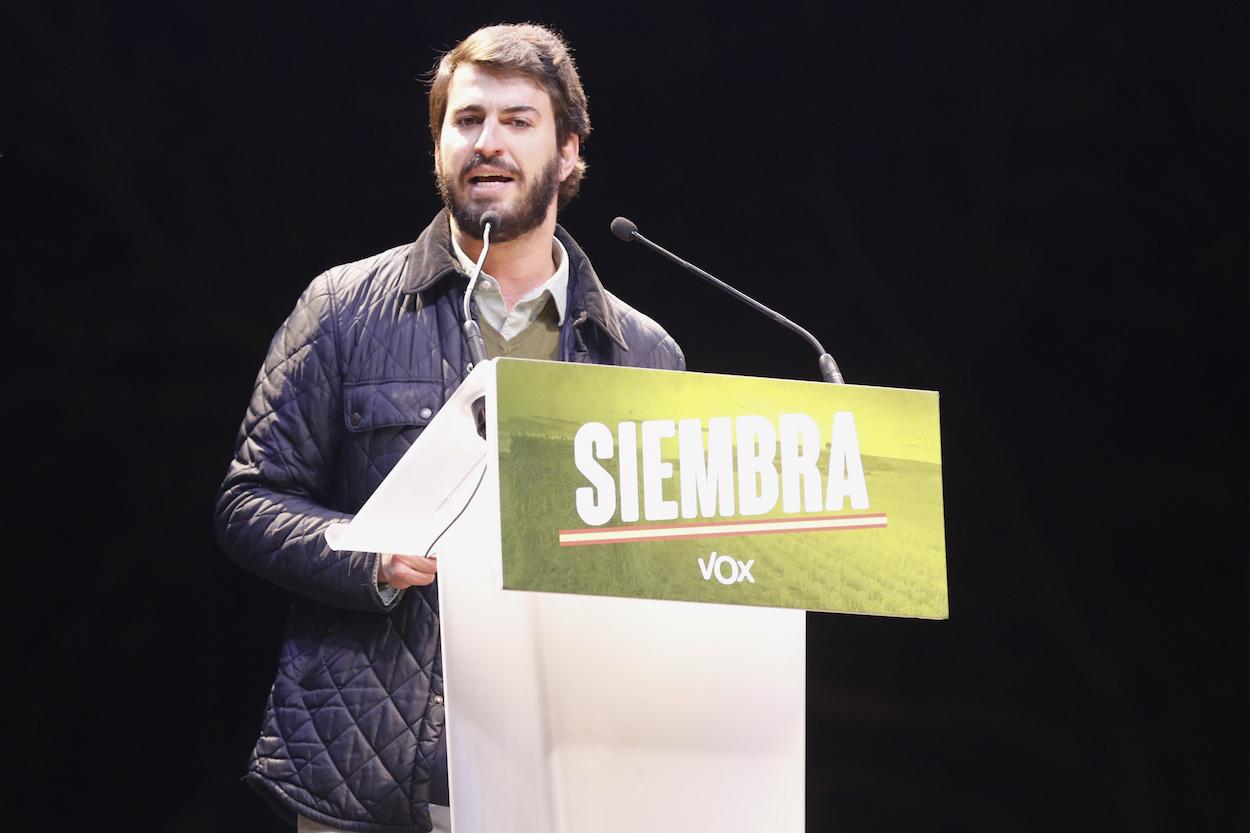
(1039, 211)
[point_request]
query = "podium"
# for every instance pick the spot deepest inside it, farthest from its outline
(598, 673)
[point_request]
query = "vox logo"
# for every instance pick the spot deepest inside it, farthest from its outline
(726, 570)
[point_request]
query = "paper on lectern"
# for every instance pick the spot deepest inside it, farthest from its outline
(430, 485)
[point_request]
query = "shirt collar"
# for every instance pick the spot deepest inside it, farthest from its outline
(557, 285)
(430, 260)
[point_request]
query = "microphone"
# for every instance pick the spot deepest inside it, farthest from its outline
(624, 229)
(627, 230)
(472, 332)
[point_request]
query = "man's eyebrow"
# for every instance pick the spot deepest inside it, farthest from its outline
(521, 108)
(509, 110)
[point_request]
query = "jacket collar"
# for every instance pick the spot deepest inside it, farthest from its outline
(430, 260)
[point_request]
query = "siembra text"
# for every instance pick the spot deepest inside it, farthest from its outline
(714, 481)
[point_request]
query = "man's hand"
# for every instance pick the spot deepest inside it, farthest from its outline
(400, 571)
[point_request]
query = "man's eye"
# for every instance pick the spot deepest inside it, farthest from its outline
(467, 121)
(520, 123)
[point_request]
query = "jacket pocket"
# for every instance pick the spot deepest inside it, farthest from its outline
(392, 403)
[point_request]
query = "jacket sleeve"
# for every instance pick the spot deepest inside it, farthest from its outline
(657, 350)
(668, 355)
(272, 512)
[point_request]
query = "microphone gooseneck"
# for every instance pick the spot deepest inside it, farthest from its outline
(473, 333)
(627, 230)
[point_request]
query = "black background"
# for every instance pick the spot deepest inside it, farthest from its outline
(1037, 210)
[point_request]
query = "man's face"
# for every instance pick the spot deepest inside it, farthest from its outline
(498, 150)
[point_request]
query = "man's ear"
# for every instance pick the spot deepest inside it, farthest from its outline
(568, 155)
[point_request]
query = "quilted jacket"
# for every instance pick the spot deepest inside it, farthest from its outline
(353, 724)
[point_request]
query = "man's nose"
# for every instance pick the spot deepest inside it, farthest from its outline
(489, 140)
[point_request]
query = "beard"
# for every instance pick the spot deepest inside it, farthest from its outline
(526, 214)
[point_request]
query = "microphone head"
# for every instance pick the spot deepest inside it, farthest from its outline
(492, 217)
(624, 229)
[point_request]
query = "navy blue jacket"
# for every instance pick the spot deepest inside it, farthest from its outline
(353, 725)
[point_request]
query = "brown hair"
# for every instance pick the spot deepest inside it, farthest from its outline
(536, 53)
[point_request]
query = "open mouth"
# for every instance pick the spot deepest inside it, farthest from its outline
(489, 178)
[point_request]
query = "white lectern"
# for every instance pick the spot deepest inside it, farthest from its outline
(587, 714)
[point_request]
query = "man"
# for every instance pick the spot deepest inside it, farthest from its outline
(353, 730)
